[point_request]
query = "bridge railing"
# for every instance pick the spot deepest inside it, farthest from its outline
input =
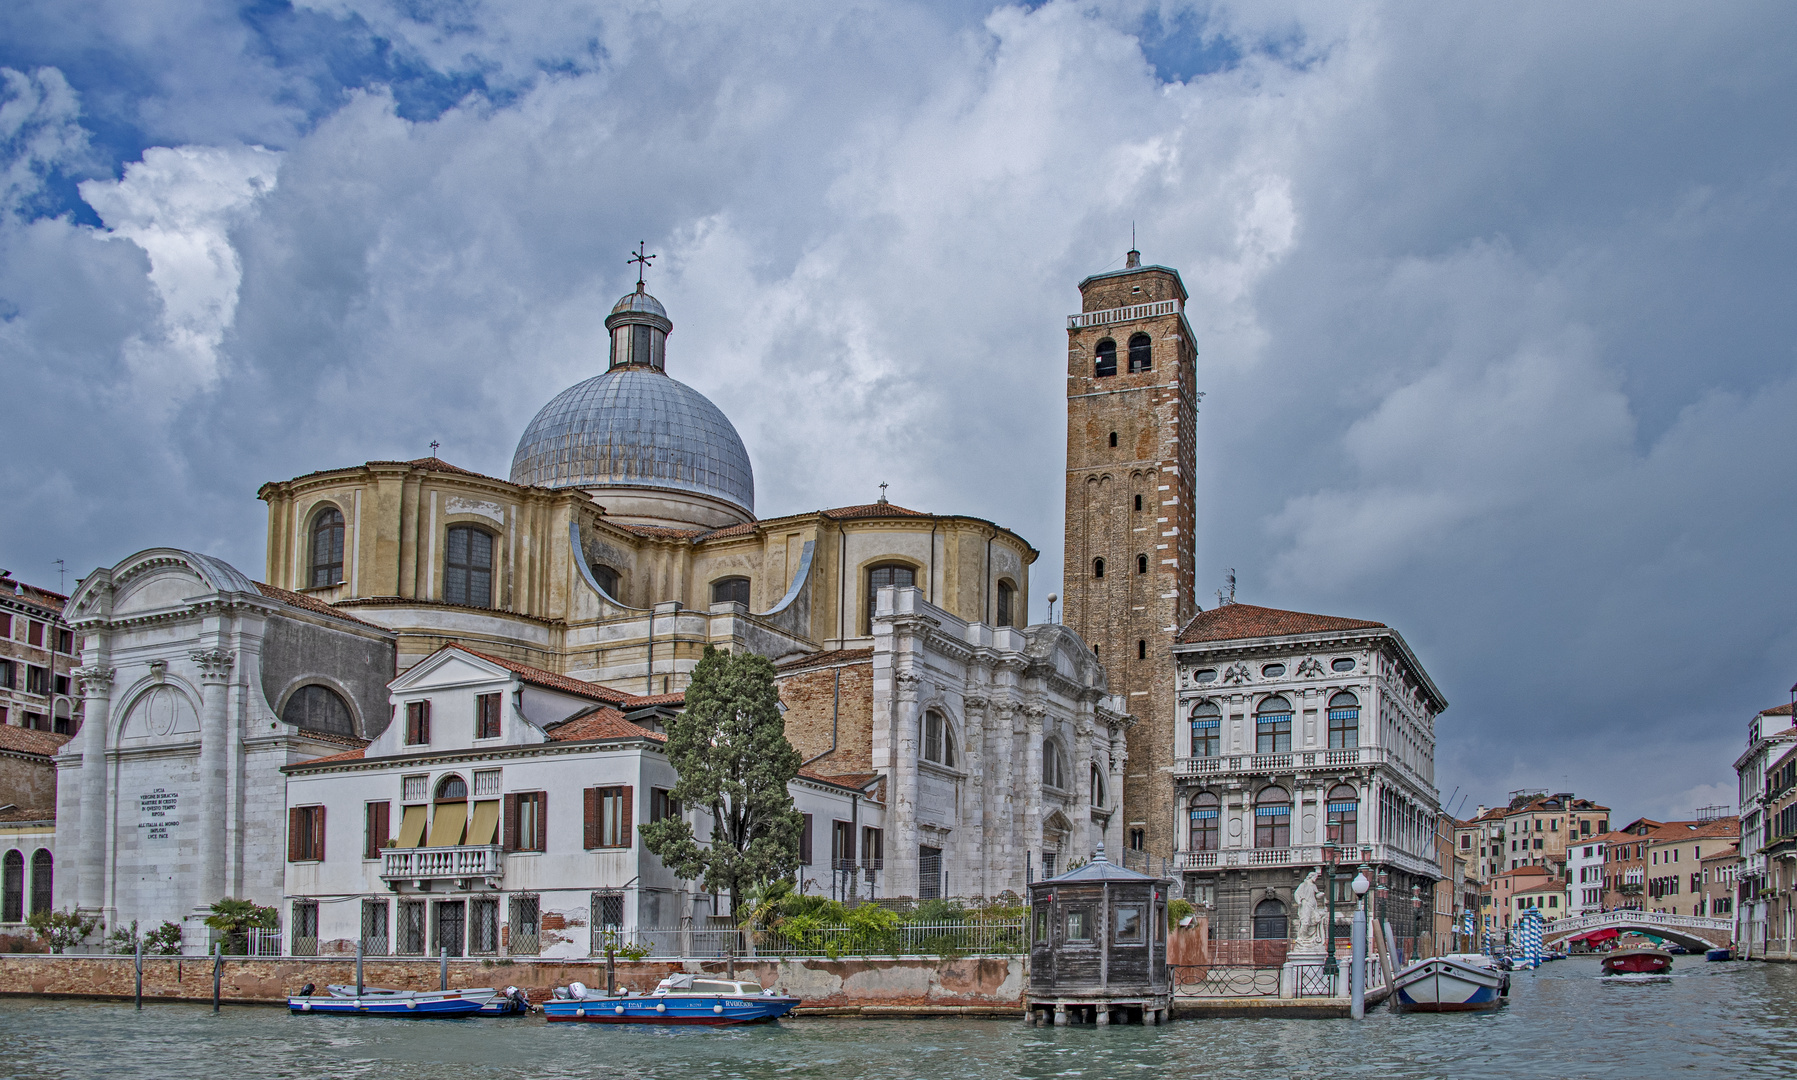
(1625, 918)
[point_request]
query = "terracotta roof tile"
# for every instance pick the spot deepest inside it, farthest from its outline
(747, 528)
(824, 659)
(871, 510)
(1777, 710)
(30, 741)
(309, 603)
(601, 723)
(658, 532)
(347, 755)
(549, 680)
(855, 781)
(640, 701)
(1233, 621)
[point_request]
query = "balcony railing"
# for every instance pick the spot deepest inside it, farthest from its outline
(1346, 858)
(1292, 761)
(423, 865)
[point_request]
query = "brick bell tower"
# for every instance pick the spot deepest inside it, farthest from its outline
(1129, 581)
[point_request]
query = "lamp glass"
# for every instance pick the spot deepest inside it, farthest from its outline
(1361, 884)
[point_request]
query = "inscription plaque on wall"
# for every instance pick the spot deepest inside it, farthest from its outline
(156, 813)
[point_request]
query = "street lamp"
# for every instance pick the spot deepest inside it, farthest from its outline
(1330, 968)
(1416, 920)
(1357, 939)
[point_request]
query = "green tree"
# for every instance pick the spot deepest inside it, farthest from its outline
(236, 918)
(729, 747)
(61, 929)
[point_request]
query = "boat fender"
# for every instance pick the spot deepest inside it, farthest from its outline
(411, 1004)
(619, 1010)
(305, 1006)
(717, 1008)
(307, 990)
(577, 990)
(580, 1012)
(661, 1006)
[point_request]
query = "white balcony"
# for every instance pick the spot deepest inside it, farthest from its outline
(1346, 858)
(422, 866)
(1293, 761)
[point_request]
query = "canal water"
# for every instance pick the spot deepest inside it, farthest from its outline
(1565, 1021)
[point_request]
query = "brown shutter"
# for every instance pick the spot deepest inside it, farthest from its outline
(542, 838)
(318, 833)
(510, 841)
(378, 822)
(590, 797)
(626, 806)
(296, 830)
(424, 721)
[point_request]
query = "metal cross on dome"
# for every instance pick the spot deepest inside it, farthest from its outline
(641, 260)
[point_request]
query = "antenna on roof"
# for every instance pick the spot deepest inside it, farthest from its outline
(62, 573)
(1135, 257)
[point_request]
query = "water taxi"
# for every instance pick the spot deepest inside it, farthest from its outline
(1637, 962)
(679, 999)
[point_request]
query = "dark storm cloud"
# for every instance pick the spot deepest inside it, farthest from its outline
(1492, 304)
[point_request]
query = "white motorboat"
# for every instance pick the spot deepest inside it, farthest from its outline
(1463, 983)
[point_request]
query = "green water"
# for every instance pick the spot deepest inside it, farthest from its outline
(1707, 1021)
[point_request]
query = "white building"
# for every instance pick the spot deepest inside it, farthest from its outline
(1769, 734)
(497, 816)
(1585, 876)
(200, 685)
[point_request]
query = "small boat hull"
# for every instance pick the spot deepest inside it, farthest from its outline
(1719, 954)
(1440, 984)
(699, 1009)
(1637, 962)
(411, 1004)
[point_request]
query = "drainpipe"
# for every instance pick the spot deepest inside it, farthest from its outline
(649, 674)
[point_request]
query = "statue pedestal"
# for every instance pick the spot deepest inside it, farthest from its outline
(1302, 976)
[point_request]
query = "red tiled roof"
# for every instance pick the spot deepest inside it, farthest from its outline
(1777, 710)
(640, 701)
(549, 680)
(347, 755)
(658, 532)
(1233, 621)
(309, 603)
(824, 659)
(747, 528)
(871, 510)
(1693, 830)
(855, 781)
(602, 723)
(30, 741)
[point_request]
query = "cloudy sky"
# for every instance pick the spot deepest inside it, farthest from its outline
(1495, 302)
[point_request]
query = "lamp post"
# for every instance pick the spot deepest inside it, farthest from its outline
(1357, 957)
(1330, 968)
(1416, 921)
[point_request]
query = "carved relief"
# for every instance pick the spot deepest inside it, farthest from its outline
(1237, 673)
(95, 681)
(490, 510)
(1309, 668)
(214, 664)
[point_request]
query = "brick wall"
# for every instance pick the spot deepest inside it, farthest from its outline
(811, 695)
(991, 985)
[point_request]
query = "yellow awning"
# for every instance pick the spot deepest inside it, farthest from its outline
(485, 825)
(448, 823)
(411, 827)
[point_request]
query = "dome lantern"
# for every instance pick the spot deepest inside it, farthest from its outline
(639, 328)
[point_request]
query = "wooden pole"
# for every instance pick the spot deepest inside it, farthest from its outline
(443, 971)
(611, 972)
(218, 967)
(358, 967)
(140, 974)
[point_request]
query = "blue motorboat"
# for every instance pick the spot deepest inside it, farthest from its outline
(376, 1001)
(679, 999)
(1719, 954)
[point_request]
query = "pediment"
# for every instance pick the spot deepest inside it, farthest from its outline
(449, 667)
(159, 590)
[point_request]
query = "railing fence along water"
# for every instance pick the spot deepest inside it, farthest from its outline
(1222, 981)
(1002, 937)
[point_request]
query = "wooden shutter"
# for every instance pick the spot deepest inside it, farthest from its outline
(805, 841)
(510, 843)
(296, 833)
(378, 829)
(590, 797)
(424, 721)
(318, 833)
(542, 838)
(626, 806)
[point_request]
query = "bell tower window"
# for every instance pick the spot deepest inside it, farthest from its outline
(1107, 359)
(1141, 353)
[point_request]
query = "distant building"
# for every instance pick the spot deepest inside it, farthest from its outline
(1721, 876)
(1625, 864)
(1775, 922)
(1769, 734)
(1675, 853)
(27, 823)
(1481, 842)
(37, 654)
(1515, 891)
(1538, 829)
(1585, 875)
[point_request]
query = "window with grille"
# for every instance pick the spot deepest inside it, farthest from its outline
(468, 567)
(12, 907)
(486, 716)
(879, 577)
(375, 941)
(305, 928)
(525, 934)
(1007, 599)
(1344, 721)
(43, 870)
(1273, 727)
(483, 926)
(486, 782)
(411, 927)
(929, 872)
(608, 914)
(327, 547)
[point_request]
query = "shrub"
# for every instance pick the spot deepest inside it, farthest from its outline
(1177, 910)
(165, 940)
(61, 929)
(236, 918)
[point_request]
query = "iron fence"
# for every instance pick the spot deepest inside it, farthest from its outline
(1225, 982)
(999, 937)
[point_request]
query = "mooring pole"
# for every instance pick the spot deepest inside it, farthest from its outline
(443, 971)
(218, 968)
(1357, 959)
(358, 967)
(140, 974)
(611, 972)
(730, 969)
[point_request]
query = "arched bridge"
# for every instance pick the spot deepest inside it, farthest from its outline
(1694, 932)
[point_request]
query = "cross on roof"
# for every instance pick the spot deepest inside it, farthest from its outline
(641, 260)
(882, 491)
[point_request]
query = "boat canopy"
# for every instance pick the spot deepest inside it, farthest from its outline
(1595, 936)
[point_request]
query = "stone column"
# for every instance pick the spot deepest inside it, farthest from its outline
(1082, 782)
(1031, 781)
(90, 866)
(973, 836)
(902, 859)
(1118, 756)
(215, 674)
(1002, 852)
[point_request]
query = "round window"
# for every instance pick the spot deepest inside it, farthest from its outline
(1342, 663)
(1272, 671)
(1208, 674)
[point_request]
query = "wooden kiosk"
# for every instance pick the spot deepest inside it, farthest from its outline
(1098, 947)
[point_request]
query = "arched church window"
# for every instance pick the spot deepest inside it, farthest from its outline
(1054, 765)
(12, 906)
(1138, 502)
(1097, 567)
(1141, 564)
(1269, 920)
(733, 590)
(878, 577)
(1097, 782)
(1141, 650)
(1107, 361)
(938, 740)
(319, 708)
(1007, 598)
(1344, 721)
(1113, 438)
(1140, 353)
(1205, 813)
(468, 567)
(43, 869)
(327, 547)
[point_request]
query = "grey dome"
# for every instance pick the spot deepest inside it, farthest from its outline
(634, 427)
(639, 302)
